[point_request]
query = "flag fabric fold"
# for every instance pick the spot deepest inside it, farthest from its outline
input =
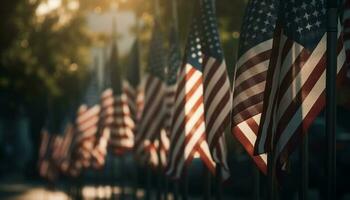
(252, 65)
(296, 77)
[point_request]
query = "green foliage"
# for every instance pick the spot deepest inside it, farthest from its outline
(42, 57)
(229, 15)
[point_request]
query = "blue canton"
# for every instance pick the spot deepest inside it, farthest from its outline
(174, 59)
(133, 71)
(156, 62)
(194, 45)
(304, 21)
(258, 24)
(210, 33)
(92, 93)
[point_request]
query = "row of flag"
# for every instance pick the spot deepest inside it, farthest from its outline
(182, 107)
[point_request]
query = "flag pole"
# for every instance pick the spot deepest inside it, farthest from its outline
(184, 186)
(271, 176)
(159, 173)
(176, 189)
(137, 34)
(207, 184)
(331, 97)
(123, 178)
(256, 183)
(304, 159)
(218, 179)
(166, 188)
(148, 183)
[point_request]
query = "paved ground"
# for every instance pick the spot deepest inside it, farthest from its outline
(30, 190)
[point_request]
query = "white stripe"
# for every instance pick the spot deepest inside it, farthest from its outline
(219, 120)
(188, 126)
(249, 73)
(302, 77)
(188, 85)
(306, 106)
(213, 79)
(264, 46)
(224, 89)
(185, 111)
(289, 60)
(152, 110)
(271, 98)
(249, 92)
(88, 113)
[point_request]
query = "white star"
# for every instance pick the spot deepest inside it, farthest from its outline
(304, 5)
(313, 2)
(198, 46)
(197, 39)
(263, 30)
(318, 23)
(269, 14)
(315, 13)
(253, 36)
(193, 55)
(200, 60)
(294, 9)
(199, 53)
(297, 19)
(255, 27)
(299, 30)
(260, 11)
(266, 22)
(258, 20)
(272, 6)
(306, 16)
(308, 26)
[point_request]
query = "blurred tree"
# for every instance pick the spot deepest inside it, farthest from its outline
(229, 15)
(43, 56)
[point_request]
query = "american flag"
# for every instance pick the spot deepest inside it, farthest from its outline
(152, 119)
(253, 61)
(173, 66)
(43, 152)
(346, 26)
(295, 87)
(344, 99)
(66, 147)
(47, 168)
(99, 152)
(132, 83)
(49, 146)
(216, 84)
(121, 124)
(188, 132)
(87, 121)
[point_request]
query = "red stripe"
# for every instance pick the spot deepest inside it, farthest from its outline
(261, 57)
(239, 134)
